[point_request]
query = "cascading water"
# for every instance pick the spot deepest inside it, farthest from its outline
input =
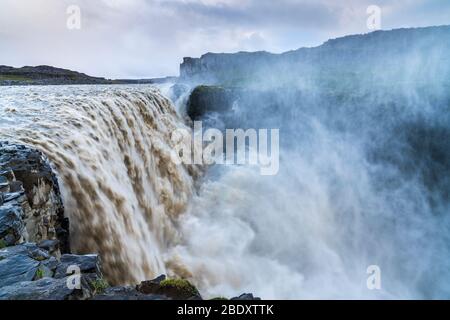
(359, 185)
(111, 148)
(363, 184)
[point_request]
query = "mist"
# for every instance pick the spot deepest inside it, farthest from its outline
(363, 181)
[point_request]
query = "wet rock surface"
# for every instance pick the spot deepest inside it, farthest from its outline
(31, 211)
(28, 272)
(11, 223)
(31, 207)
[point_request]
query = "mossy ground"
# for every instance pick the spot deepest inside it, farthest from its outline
(99, 285)
(181, 285)
(2, 244)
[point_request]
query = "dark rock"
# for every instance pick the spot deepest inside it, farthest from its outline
(206, 99)
(176, 289)
(45, 289)
(49, 267)
(4, 185)
(159, 279)
(87, 264)
(14, 196)
(38, 254)
(27, 171)
(51, 246)
(15, 186)
(151, 286)
(29, 272)
(126, 293)
(246, 296)
(16, 265)
(11, 224)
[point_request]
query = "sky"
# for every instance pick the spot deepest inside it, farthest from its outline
(149, 38)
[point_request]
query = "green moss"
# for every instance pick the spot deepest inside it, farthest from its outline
(99, 285)
(2, 244)
(39, 274)
(220, 298)
(181, 285)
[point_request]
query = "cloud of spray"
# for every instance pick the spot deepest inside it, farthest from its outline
(363, 181)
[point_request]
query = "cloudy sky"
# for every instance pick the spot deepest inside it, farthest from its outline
(149, 38)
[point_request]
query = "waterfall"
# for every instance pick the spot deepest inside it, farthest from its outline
(111, 149)
(360, 185)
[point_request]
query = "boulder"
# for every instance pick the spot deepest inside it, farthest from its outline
(207, 99)
(86, 264)
(176, 289)
(245, 297)
(52, 246)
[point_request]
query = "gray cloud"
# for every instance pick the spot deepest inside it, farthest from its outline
(138, 38)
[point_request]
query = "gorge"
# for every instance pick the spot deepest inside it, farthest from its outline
(363, 177)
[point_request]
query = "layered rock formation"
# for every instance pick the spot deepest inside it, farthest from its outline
(31, 206)
(420, 53)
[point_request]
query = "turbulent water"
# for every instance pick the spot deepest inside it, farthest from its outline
(360, 184)
(363, 181)
(111, 148)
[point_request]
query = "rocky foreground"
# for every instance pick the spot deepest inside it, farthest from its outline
(35, 258)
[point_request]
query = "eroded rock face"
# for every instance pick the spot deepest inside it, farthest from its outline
(11, 223)
(346, 55)
(31, 208)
